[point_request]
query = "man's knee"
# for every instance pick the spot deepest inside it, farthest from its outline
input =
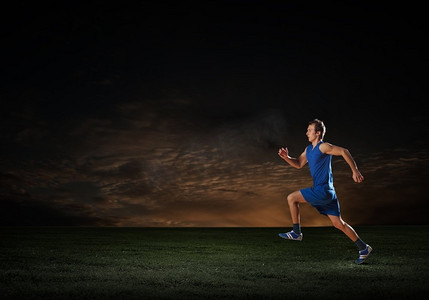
(291, 198)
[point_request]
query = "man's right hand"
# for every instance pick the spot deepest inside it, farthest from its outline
(283, 153)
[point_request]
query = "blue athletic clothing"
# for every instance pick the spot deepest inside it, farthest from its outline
(322, 194)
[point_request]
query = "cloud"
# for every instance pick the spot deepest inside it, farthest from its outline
(162, 163)
(393, 191)
(21, 208)
(152, 164)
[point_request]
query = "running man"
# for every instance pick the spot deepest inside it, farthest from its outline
(322, 195)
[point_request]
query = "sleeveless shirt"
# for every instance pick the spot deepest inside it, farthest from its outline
(320, 166)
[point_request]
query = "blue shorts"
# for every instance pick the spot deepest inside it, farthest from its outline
(323, 198)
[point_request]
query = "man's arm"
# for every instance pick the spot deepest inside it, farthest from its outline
(340, 151)
(297, 163)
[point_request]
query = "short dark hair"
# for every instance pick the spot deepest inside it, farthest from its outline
(318, 126)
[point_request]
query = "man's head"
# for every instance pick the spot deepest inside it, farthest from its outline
(316, 130)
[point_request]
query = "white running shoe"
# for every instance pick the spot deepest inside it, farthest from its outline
(291, 235)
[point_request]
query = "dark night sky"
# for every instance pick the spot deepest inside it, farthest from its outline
(161, 113)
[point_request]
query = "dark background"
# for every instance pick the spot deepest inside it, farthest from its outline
(162, 113)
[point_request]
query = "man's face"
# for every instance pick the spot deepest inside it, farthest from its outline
(311, 133)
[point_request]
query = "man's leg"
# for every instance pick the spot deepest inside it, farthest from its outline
(294, 199)
(364, 249)
(344, 227)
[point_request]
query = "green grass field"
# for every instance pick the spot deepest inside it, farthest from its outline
(216, 263)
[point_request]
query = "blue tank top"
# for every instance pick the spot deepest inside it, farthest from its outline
(320, 166)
